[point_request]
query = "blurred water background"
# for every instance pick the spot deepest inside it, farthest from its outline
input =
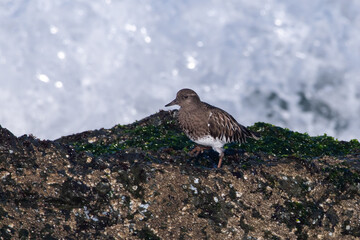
(72, 65)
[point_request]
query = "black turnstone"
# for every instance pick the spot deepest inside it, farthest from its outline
(207, 125)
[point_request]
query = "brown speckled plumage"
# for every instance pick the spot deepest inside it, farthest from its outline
(208, 125)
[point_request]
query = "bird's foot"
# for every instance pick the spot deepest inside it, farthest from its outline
(197, 150)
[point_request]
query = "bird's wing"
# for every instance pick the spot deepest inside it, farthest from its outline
(223, 126)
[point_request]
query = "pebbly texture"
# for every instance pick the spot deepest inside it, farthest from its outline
(138, 182)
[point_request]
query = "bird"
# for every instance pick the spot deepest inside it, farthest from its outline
(206, 125)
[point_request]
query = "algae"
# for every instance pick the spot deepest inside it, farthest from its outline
(148, 137)
(274, 140)
(284, 142)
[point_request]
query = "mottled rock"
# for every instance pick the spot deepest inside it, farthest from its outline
(138, 182)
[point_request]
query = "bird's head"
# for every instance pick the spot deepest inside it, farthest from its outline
(184, 97)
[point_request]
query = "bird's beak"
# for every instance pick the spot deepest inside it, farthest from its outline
(174, 102)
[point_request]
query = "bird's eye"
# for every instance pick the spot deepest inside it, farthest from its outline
(186, 97)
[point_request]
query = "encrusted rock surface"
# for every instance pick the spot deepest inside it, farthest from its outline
(138, 182)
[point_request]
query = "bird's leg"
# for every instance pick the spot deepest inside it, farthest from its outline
(220, 160)
(198, 149)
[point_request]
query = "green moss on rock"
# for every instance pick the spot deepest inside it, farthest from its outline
(284, 142)
(277, 141)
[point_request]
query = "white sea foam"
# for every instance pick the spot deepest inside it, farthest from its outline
(69, 66)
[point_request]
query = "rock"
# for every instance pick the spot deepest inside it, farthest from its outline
(138, 182)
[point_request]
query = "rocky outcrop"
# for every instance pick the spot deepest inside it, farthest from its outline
(138, 182)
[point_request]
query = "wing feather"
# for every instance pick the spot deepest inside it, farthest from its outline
(224, 126)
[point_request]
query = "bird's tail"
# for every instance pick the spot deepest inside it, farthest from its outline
(250, 134)
(254, 135)
(245, 133)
